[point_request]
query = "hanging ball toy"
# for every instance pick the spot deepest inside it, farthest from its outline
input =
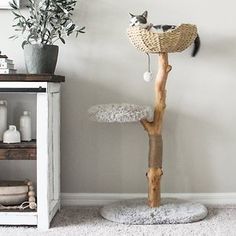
(147, 76)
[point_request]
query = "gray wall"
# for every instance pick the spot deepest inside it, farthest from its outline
(101, 66)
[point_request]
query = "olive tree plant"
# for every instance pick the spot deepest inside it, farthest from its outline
(45, 22)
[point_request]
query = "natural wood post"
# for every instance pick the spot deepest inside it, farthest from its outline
(154, 132)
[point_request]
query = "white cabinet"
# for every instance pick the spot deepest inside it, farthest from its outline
(47, 90)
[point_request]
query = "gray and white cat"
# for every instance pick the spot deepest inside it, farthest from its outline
(141, 20)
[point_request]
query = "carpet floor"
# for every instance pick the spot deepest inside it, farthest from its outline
(221, 221)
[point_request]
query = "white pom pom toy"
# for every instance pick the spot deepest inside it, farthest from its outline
(147, 76)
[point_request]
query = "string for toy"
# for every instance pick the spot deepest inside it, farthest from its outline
(149, 62)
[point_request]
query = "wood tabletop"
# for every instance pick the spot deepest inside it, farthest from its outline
(18, 151)
(21, 145)
(32, 78)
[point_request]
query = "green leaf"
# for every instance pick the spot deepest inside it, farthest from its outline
(16, 14)
(13, 37)
(24, 43)
(81, 30)
(13, 6)
(63, 41)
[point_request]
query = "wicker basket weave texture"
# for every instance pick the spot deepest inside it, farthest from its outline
(175, 40)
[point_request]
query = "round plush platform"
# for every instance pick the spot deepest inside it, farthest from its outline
(120, 113)
(137, 212)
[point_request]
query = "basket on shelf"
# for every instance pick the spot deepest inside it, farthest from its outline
(17, 195)
(175, 40)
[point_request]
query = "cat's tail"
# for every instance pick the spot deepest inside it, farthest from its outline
(197, 44)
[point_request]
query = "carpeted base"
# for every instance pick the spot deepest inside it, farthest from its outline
(171, 211)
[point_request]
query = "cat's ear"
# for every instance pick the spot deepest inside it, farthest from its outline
(131, 15)
(145, 14)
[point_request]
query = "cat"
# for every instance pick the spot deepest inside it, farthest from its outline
(141, 20)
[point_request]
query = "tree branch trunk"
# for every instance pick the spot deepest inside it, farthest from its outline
(154, 132)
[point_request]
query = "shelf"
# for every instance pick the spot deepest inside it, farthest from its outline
(18, 151)
(18, 217)
(17, 211)
(23, 90)
(31, 78)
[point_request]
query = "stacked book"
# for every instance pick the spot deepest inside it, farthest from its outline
(6, 65)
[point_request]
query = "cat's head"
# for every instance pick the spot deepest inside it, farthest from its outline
(138, 20)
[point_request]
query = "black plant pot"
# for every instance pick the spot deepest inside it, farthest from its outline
(40, 59)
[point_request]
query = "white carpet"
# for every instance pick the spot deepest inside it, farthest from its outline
(87, 221)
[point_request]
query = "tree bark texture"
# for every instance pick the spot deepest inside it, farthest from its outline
(154, 132)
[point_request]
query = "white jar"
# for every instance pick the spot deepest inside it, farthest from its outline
(3, 118)
(25, 126)
(12, 135)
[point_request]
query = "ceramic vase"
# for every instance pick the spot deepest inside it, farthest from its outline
(3, 118)
(12, 135)
(25, 126)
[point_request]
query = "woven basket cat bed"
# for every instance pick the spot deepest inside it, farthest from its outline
(175, 40)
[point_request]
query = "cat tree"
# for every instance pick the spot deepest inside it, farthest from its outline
(175, 40)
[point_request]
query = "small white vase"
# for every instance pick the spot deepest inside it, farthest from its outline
(25, 126)
(3, 118)
(12, 135)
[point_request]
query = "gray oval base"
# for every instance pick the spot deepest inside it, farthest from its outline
(137, 212)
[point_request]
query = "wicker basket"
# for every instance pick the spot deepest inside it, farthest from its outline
(175, 40)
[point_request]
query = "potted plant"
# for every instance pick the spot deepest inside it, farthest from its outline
(47, 22)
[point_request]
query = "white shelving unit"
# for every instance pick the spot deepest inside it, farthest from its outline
(47, 146)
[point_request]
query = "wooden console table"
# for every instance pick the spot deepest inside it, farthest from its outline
(45, 149)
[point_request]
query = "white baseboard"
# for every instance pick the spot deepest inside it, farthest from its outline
(92, 199)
